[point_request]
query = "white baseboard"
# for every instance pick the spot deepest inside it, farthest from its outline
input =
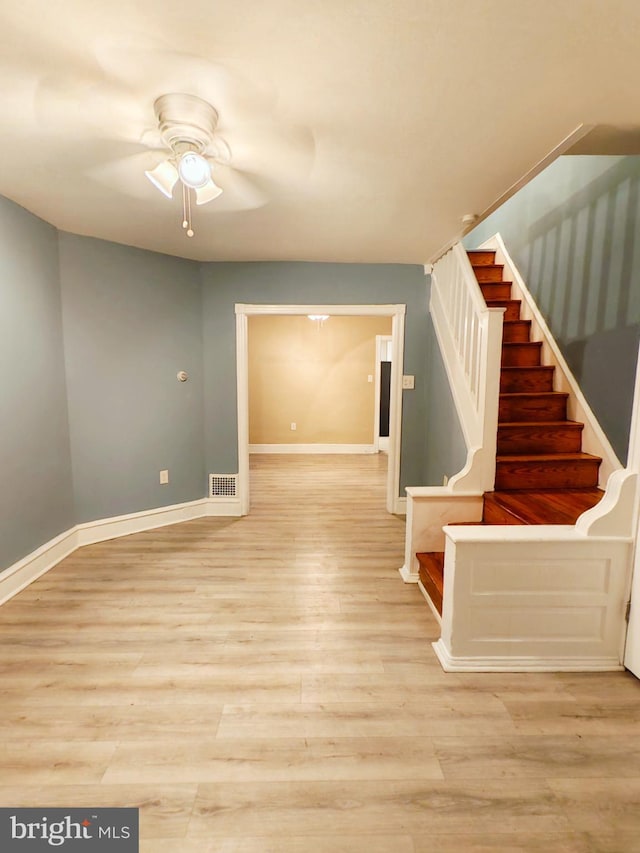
(17, 577)
(406, 575)
(223, 507)
(523, 664)
(312, 448)
(135, 522)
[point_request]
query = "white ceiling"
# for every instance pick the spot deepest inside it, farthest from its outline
(363, 130)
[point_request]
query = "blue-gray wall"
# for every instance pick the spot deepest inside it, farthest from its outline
(131, 322)
(308, 283)
(574, 232)
(93, 335)
(36, 497)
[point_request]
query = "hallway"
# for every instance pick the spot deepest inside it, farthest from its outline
(267, 685)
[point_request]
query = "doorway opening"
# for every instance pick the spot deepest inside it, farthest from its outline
(382, 406)
(395, 312)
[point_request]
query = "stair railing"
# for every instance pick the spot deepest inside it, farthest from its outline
(470, 338)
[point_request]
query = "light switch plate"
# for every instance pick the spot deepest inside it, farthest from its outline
(409, 382)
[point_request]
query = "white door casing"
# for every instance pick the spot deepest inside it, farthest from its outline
(396, 312)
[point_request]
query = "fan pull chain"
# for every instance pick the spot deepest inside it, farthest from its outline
(186, 210)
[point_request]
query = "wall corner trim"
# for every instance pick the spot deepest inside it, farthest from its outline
(27, 570)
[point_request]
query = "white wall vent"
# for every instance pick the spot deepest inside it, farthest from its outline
(223, 486)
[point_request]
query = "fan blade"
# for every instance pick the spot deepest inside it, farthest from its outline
(241, 191)
(126, 175)
(145, 64)
(281, 152)
(95, 110)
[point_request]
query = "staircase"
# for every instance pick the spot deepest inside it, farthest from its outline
(542, 475)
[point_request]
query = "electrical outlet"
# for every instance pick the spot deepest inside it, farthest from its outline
(294, 426)
(409, 382)
(164, 477)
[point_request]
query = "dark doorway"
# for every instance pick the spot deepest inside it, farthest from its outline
(385, 397)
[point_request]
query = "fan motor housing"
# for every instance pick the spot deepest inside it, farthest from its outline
(185, 119)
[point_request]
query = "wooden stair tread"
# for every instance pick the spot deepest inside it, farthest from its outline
(523, 378)
(536, 424)
(431, 573)
(521, 354)
(516, 331)
(544, 457)
(548, 506)
(495, 289)
(521, 406)
(488, 272)
(534, 394)
(526, 368)
(479, 257)
(487, 287)
(434, 562)
(547, 471)
(517, 438)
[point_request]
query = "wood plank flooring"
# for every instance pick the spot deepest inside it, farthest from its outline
(267, 685)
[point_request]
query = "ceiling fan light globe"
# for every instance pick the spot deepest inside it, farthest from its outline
(164, 177)
(194, 170)
(208, 192)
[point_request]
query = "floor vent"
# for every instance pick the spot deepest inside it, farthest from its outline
(223, 485)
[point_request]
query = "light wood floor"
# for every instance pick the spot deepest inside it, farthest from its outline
(268, 684)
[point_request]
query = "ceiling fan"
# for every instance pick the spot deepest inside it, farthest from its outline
(186, 148)
(187, 126)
